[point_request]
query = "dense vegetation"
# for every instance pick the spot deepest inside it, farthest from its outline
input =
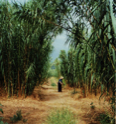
(92, 56)
(25, 48)
(54, 70)
(90, 62)
(62, 116)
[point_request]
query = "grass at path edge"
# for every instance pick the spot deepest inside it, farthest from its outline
(61, 116)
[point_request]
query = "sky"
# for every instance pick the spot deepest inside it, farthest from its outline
(59, 44)
(21, 1)
(59, 41)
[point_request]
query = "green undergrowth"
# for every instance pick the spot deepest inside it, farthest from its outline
(74, 92)
(53, 84)
(64, 82)
(17, 117)
(53, 81)
(13, 119)
(61, 116)
(1, 111)
(105, 119)
(92, 105)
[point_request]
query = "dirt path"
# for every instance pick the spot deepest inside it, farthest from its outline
(38, 106)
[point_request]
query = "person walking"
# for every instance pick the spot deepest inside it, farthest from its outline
(60, 83)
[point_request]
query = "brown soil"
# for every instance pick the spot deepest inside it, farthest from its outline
(37, 107)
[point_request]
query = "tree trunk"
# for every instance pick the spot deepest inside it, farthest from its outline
(6, 88)
(19, 85)
(9, 83)
(25, 80)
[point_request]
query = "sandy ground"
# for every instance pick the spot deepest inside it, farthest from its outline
(38, 106)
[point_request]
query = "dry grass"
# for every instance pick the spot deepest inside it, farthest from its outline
(37, 107)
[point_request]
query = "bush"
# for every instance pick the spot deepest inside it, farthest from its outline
(62, 116)
(104, 119)
(74, 92)
(0, 108)
(16, 117)
(53, 84)
(24, 120)
(64, 82)
(1, 122)
(92, 106)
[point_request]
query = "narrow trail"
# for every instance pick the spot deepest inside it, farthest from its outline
(37, 107)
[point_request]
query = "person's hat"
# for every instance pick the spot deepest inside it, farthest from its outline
(61, 77)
